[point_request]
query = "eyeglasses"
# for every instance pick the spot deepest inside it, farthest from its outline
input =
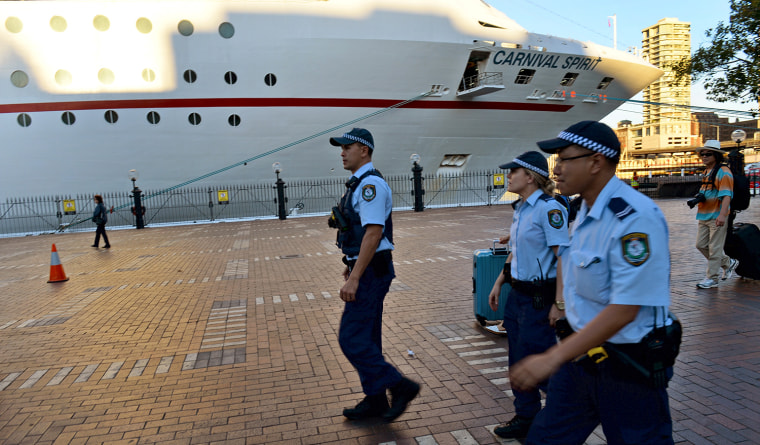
(706, 154)
(560, 160)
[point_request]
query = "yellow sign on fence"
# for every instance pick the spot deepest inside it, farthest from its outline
(69, 207)
(224, 196)
(498, 181)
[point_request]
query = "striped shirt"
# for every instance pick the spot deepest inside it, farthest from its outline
(714, 193)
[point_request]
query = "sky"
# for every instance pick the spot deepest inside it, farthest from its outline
(587, 20)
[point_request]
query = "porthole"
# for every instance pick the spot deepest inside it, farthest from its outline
(194, 119)
(144, 25)
(111, 116)
(68, 118)
(148, 75)
(24, 120)
(189, 76)
(19, 79)
(234, 120)
(185, 27)
(101, 23)
(226, 30)
(153, 117)
(58, 23)
(270, 79)
(230, 77)
(14, 25)
(106, 76)
(63, 78)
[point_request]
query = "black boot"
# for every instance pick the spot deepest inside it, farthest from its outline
(371, 406)
(517, 428)
(401, 394)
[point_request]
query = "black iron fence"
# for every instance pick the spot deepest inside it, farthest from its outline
(72, 213)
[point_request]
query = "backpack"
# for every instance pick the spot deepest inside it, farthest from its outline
(741, 192)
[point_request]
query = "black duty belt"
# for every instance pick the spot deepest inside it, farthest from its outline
(379, 260)
(542, 292)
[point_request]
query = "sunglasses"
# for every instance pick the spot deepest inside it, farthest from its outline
(706, 154)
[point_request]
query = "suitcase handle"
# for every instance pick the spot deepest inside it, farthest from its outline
(499, 250)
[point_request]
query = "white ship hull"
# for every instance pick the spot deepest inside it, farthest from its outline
(334, 61)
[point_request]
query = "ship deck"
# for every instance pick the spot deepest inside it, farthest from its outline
(227, 333)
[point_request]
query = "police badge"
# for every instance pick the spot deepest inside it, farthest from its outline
(368, 192)
(555, 218)
(635, 248)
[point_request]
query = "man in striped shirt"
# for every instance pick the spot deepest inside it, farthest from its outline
(712, 215)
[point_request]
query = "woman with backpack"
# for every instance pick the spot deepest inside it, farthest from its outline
(714, 205)
(100, 218)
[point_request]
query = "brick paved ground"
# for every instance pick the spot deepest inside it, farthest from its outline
(227, 333)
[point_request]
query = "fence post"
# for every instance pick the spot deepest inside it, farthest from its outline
(210, 204)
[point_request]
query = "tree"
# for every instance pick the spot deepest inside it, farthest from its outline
(730, 65)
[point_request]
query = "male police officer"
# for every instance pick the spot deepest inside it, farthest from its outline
(365, 235)
(616, 275)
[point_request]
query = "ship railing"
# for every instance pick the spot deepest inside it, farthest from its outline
(480, 80)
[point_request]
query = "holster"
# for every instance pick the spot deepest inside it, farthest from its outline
(380, 263)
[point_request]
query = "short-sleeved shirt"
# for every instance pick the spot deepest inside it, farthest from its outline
(538, 223)
(714, 193)
(618, 254)
(373, 201)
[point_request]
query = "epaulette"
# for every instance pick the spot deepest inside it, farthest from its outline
(545, 197)
(621, 208)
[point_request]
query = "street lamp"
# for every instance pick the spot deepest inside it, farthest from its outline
(417, 190)
(280, 186)
(736, 157)
(137, 210)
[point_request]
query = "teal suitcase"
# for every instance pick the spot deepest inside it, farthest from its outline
(487, 265)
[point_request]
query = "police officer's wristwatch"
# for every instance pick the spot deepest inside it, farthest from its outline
(560, 305)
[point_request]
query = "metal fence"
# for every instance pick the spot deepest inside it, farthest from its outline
(72, 213)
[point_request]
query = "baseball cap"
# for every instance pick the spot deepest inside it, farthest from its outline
(359, 135)
(592, 135)
(532, 160)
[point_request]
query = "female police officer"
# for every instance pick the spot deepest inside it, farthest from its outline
(539, 226)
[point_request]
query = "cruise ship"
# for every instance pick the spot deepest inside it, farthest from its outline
(216, 92)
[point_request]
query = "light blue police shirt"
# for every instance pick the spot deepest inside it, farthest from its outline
(373, 200)
(618, 254)
(537, 224)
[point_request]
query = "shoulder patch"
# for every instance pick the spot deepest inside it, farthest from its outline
(635, 248)
(556, 219)
(368, 192)
(621, 208)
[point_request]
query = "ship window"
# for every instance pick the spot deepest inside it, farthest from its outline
(63, 78)
(19, 79)
(14, 25)
(190, 76)
(106, 76)
(270, 79)
(144, 25)
(569, 79)
(68, 118)
(230, 77)
(101, 23)
(148, 75)
(111, 116)
(605, 83)
(185, 27)
(524, 77)
(194, 119)
(153, 117)
(226, 30)
(234, 120)
(58, 23)
(24, 120)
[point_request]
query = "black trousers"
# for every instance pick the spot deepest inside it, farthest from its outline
(101, 230)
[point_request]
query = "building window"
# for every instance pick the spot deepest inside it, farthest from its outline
(524, 77)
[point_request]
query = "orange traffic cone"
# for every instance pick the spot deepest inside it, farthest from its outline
(56, 268)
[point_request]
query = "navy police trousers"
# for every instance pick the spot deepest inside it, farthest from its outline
(360, 334)
(528, 333)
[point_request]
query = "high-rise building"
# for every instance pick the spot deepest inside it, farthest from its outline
(664, 43)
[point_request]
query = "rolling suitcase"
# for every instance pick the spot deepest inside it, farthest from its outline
(487, 265)
(743, 244)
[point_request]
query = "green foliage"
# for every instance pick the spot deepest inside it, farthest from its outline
(730, 65)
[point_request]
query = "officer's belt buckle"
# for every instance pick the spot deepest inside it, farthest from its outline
(597, 355)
